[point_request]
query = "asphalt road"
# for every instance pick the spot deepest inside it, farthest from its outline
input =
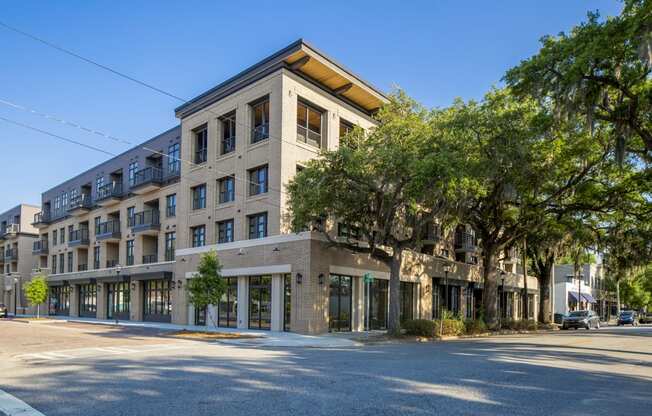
(79, 369)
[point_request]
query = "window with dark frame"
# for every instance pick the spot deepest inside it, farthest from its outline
(201, 144)
(54, 237)
(61, 263)
(62, 235)
(171, 205)
(309, 124)
(133, 168)
(53, 266)
(258, 180)
(70, 269)
(225, 231)
(345, 128)
(174, 158)
(257, 225)
(228, 133)
(226, 186)
(198, 236)
(130, 252)
(199, 197)
(96, 257)
(170, 245)
(260, 120)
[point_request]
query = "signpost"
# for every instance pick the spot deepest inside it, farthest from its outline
(367, 278)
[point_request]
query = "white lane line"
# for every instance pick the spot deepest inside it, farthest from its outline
(12, 406)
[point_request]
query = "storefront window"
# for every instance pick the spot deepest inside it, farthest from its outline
(260, 302)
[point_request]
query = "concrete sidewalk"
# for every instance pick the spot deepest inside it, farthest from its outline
(262, 338)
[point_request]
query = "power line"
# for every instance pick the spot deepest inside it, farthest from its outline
(27, 126)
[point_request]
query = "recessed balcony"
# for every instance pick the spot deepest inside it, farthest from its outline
(108, 231)
(146, 180)
(109, 194)
(78, 238)
(40, 248)
(41, 219)
(10, 231)
(465, 242)
(11, 255)
(80, 205)
(150, 258)
(146, 222)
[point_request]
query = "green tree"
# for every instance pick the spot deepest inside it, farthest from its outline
(36, 292)
(601, 72)
(637, 292)
(207, 286)
(389, 184)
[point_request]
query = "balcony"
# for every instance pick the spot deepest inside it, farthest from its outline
(82, 267)
(146, 180)
(111, 264)
(465, 242)
(150, 258)
(146, 222)
(42, 219)
(109, 194)
(10, 231)
(11, 255)
(108, 231)
(2, 257)
(40, 248)
(431, 233)
(78, 238)
(510, 256)
(80, 205)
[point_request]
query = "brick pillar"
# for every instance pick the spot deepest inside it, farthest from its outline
(74, 300)
(277, 302)
(102, 290)
(243, 302)
(136, 300)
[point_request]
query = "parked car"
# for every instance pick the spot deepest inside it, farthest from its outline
(581, 319)
(559, 318)
(3, 310)
(645, 318)
(628, 318)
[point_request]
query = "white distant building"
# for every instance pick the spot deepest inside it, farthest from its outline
(569, 294)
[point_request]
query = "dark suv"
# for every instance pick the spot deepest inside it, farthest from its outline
(628, 318)
(581, 319)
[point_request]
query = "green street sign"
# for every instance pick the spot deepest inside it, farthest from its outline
(368, 277)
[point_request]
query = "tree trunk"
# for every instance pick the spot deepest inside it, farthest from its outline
(394, 324)
(618, 297)
(526, 309)
(545, 306)
(490, 280)
(38, 311)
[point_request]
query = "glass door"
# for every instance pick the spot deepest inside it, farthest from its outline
(287, 302)
(339, 305)
(156, 301)
(200, 316)
(378, 295)
(227, 310)
(407, 301)
(117, 300)
(260, 302)
(88, 300)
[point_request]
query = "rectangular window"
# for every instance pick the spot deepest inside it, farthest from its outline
(258, 181)
(62, 235)
(61, 263)
(225, 231)
(96, 257)
(133, 168)
(309, 121)
(70, 262)
(70, 230)
(260, 121)
(348, 231)
(228, 133)
(96, 222)
(130, 215)
(53, 266)
(174, 158)
(57, 204)
(199, 197)
(345, 128)
(198, 236)
(64, 200)
(170, 245)
(54, 237)
(171, 205)
(130, 252)
(201, 144)
(226, 186)
(99, 182)
(258, 225)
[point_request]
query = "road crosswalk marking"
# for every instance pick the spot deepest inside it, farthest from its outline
(97, 352)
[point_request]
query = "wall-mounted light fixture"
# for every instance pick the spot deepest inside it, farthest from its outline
(172, 285)
(99, 287)
(276, 249)
(179, 283)
(133, 286)
(321, 278)
(299, 278)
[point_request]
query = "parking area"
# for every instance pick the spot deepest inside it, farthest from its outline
(83, 369)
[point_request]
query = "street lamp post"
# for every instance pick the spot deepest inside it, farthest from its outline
(579, 291)
(446, 269)
(118, 269)
(500, 300)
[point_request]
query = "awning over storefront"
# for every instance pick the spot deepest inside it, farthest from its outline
(587, 297)
(573, 296)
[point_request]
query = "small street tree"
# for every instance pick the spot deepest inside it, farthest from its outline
(389, 184)
(36, 292)
(207, 286)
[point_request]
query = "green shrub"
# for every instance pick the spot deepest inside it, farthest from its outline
(419, 327)
(449, 327)
(475, 326)
(519, 325)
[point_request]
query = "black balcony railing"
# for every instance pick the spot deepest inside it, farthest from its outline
(111, 263)
(465, 241)
(82, 201)
(10, 229)
(169, 255)
(78, 237)
(228, 145)
(107, 229)
(42, 217)
(110, 190)
(260, 132)
(40, 247)
(150, 258)
(201, 155)
(82, 267)
(145, 219)
(11, 254)
(147, 176)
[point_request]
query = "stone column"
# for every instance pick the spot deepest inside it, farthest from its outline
(101, 304)
(357, 304)
(136, 301)
(277, 302)
(243, 302)
(74, 301)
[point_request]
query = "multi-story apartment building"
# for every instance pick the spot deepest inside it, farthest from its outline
(17, 240)
(241, 142)
(111, 232)
(587, 290)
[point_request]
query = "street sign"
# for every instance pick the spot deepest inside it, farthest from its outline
(368, 277)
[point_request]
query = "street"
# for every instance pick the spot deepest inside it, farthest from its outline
(83, 369)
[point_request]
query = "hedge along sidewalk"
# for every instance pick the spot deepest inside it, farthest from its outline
(484, 334)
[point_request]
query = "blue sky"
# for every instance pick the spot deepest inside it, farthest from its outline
(435, 50)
